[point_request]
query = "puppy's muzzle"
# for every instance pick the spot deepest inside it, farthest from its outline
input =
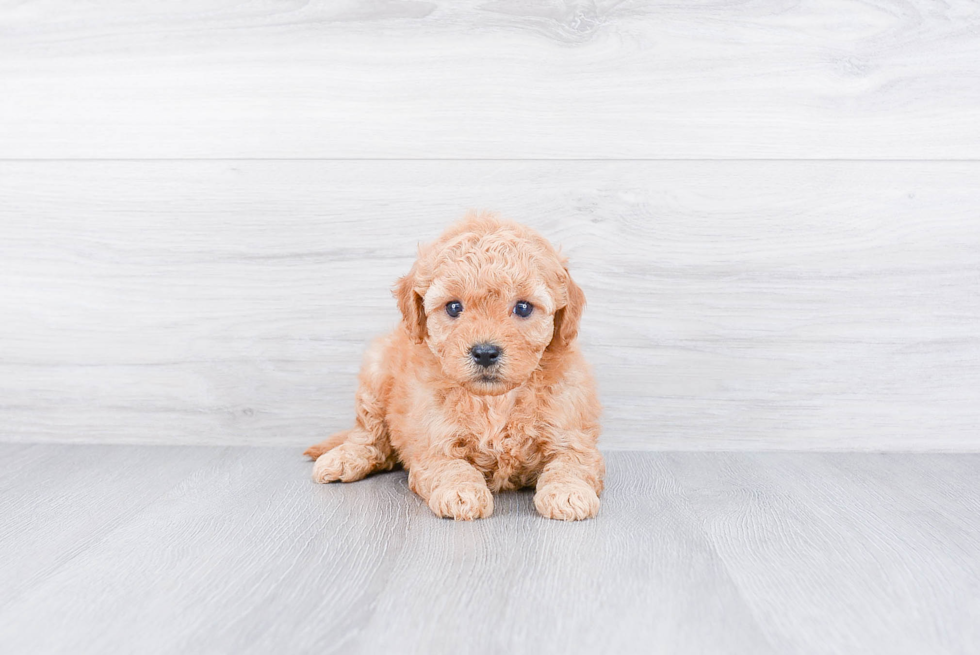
(486, 354)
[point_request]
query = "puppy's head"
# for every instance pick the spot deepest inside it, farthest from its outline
(488, 298)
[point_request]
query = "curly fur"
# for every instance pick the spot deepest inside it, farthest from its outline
(423, 403)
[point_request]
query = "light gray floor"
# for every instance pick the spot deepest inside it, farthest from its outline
(194, 549)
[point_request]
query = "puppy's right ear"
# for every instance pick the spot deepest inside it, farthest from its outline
(411, 304)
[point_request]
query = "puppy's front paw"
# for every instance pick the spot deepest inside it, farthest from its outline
(463, 501)
(342, 463)
(571, 500)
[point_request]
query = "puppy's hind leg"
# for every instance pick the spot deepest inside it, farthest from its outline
(356, 453)
(352, 455)
(360, 454)
(331, 442)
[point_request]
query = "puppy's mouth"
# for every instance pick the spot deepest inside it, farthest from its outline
(489, 383)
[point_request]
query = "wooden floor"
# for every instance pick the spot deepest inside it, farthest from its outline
(206, 549)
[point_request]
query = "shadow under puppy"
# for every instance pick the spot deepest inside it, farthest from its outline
(481, 387)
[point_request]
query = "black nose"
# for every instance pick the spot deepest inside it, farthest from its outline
(485, 354)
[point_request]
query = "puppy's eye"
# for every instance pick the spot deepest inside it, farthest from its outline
(454, 308)
(523, 308)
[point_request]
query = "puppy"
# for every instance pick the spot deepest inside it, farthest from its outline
(482, 387)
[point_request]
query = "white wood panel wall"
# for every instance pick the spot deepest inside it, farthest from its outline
(204, 204)
(503, 79)
(731, 304)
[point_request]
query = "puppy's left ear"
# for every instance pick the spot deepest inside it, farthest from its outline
(411, 305)
(567, 317)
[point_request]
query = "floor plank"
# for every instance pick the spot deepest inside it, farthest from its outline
(57, 503)
(474, 79)
(732, 305)
(692, 552)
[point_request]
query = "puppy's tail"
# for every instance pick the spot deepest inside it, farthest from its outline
(331, 442)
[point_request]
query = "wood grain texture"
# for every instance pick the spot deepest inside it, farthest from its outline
(823, 305)
(53, 503)
(691, 553)
(501, 79)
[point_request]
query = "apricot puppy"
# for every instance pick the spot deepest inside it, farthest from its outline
(482, 387)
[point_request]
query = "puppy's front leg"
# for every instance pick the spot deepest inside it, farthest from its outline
(569, 486)
(453, 488)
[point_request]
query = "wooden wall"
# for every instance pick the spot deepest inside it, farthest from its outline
(773, 208)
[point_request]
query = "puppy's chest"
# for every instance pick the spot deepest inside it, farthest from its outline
(499, 436)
